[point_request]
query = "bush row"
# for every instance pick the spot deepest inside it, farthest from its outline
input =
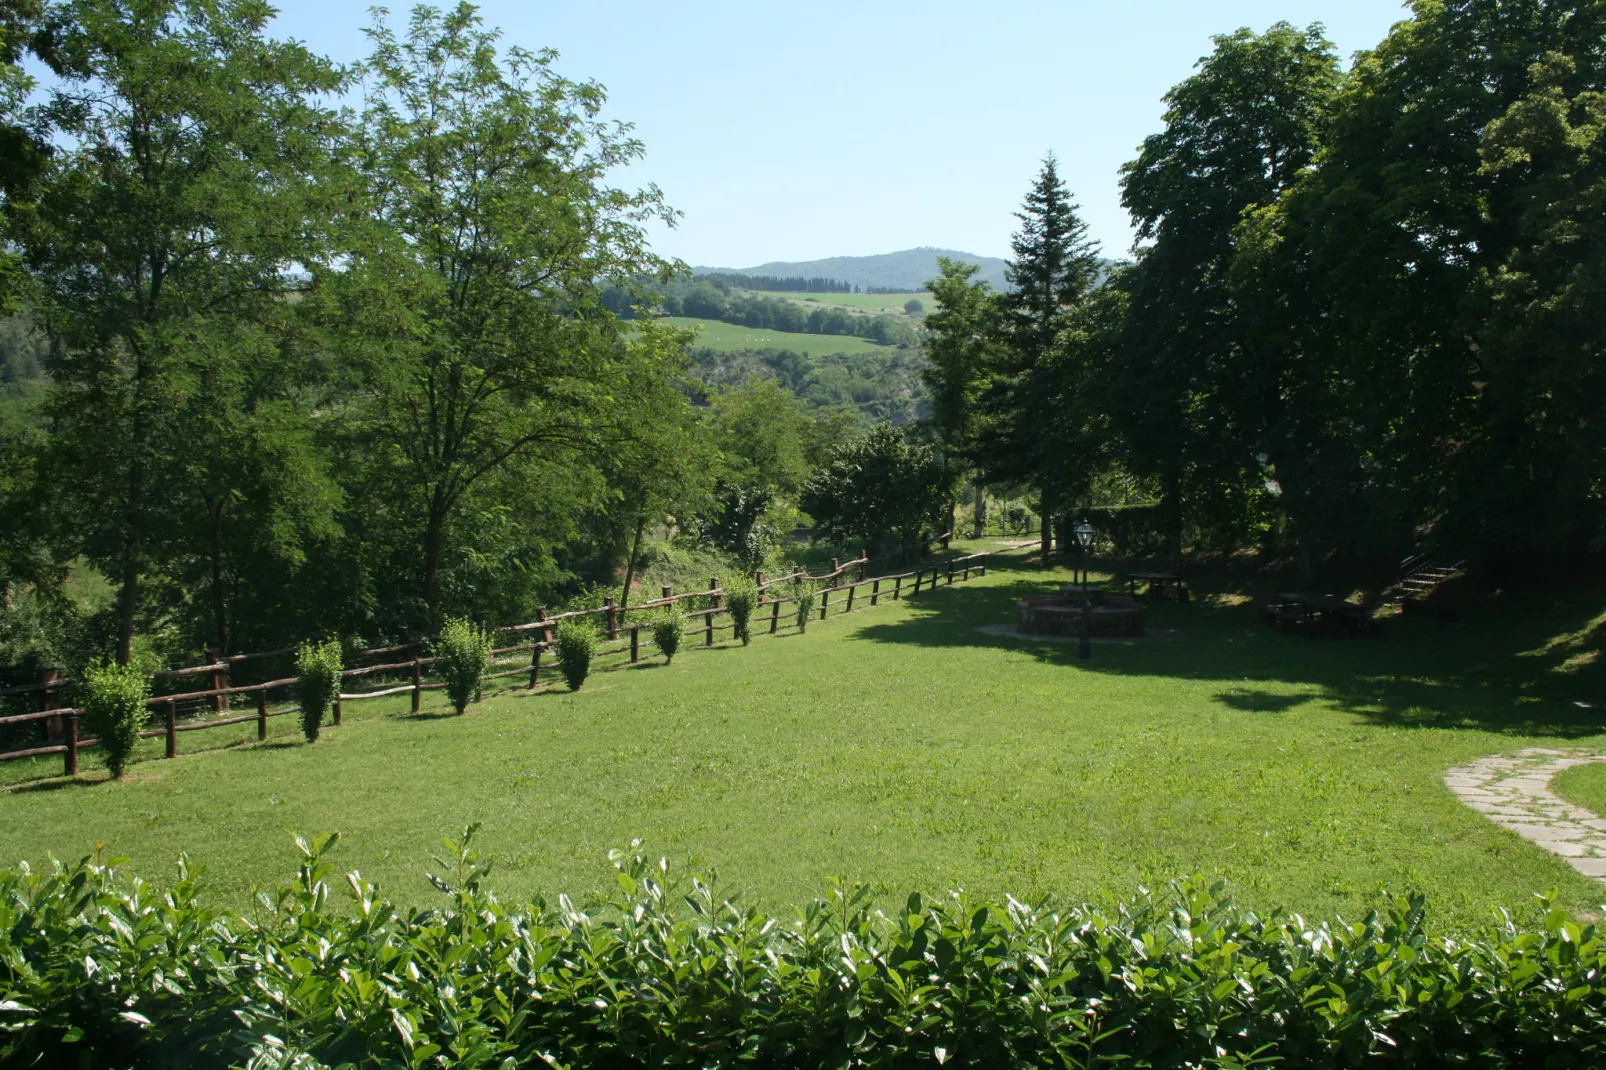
(101, 970)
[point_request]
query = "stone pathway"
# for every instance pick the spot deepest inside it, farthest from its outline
(1514, 791)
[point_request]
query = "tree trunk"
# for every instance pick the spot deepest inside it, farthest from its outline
(434, 535)
(220, 612)
(1171, 496)
(979, 527)
(953, 508)
(128, 596)
(1046, 512)
(630, 563)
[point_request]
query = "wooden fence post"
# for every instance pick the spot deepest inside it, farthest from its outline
(875, 591)
(337, 711)
(172, 728)
(262, 714)
(825, 601)
(864, 563)
(668, 591)
(919, 572)
(635, 643)
(535, 652)
(613, 618)
(418, 684)
(851, 589)
(897, 588)
(715, 594)
(836, 570)
(71, 765)
(775, 615)
(759, 575)
(950, 573)
(220, 680)
(47, 702)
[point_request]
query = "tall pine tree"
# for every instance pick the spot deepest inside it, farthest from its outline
(1055, 265)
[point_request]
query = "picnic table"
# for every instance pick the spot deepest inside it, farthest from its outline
(1311, 611)
(1163, 581)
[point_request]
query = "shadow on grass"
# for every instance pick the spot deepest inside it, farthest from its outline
(1486, 673)
(1252, 701)
(56, 783)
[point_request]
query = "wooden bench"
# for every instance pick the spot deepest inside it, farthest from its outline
(1164, 582)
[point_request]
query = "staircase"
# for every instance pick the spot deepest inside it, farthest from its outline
(1419, 576)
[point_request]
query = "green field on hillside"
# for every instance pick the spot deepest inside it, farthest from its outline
(717, 334)
(857, 302)
(903, 747)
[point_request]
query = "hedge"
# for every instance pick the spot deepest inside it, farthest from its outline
(98, 969)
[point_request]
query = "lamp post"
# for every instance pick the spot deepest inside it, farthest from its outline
(1084, 540)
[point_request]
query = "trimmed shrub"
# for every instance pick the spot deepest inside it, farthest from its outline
(115, 711)
(463, 657)
(318, 668)
(667, 627)
(576, 643)
(806, 593)
(741, 598)
(1180, 979)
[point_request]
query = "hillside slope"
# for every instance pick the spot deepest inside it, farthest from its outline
(908, 269)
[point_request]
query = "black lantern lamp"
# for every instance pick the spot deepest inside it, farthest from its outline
(1084, 541)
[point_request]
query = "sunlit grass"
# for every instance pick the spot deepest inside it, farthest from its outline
(902, 747)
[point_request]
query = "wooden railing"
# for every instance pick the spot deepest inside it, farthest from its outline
(615, 625)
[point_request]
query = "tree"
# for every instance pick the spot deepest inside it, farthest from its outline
(913, 306)
(1425, 302)
(1237, 135)
(160, 237)
(962, 347)
(470, 312)
(1054, 266)
(879, 487)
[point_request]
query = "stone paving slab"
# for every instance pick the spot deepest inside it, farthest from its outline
(1514, 792)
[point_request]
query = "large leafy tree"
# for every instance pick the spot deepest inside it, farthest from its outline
(962, 347)
(160, 236)
(469, 311)
(1237, 134)
(1430, 291)
(880, 487)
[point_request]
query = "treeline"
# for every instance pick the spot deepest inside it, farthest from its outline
(714, 298)
(874, 387)
(1364, 317)
(775, 283)
(338, 372)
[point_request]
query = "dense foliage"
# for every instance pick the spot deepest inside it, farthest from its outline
(667, 627)
(576, 643)
(115, 711)
(879, 490)
(1364, 314)
(741, 598)
(318, 669)
(462, 657)
(98, 969)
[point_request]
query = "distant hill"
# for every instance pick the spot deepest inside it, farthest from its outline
(906, 270)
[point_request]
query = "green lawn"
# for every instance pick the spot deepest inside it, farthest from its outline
(860, 302)
(1583, 785)
(717, 334)
(902, 747)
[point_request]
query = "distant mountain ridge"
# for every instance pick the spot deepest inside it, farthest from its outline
(907, 269)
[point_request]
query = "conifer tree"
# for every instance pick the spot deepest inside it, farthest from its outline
(1054, 267)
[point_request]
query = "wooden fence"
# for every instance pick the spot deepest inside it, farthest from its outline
(846, 584)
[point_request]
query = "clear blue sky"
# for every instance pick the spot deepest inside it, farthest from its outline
(792, 132)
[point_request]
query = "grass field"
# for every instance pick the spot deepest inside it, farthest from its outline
(858, 302)
(716, 334)
(902, 747)
(1583, 785)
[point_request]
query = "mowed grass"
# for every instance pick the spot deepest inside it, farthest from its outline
(1583, 785)
(719, 335)
(901, 747)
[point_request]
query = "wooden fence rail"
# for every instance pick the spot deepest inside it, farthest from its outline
(65, 721)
